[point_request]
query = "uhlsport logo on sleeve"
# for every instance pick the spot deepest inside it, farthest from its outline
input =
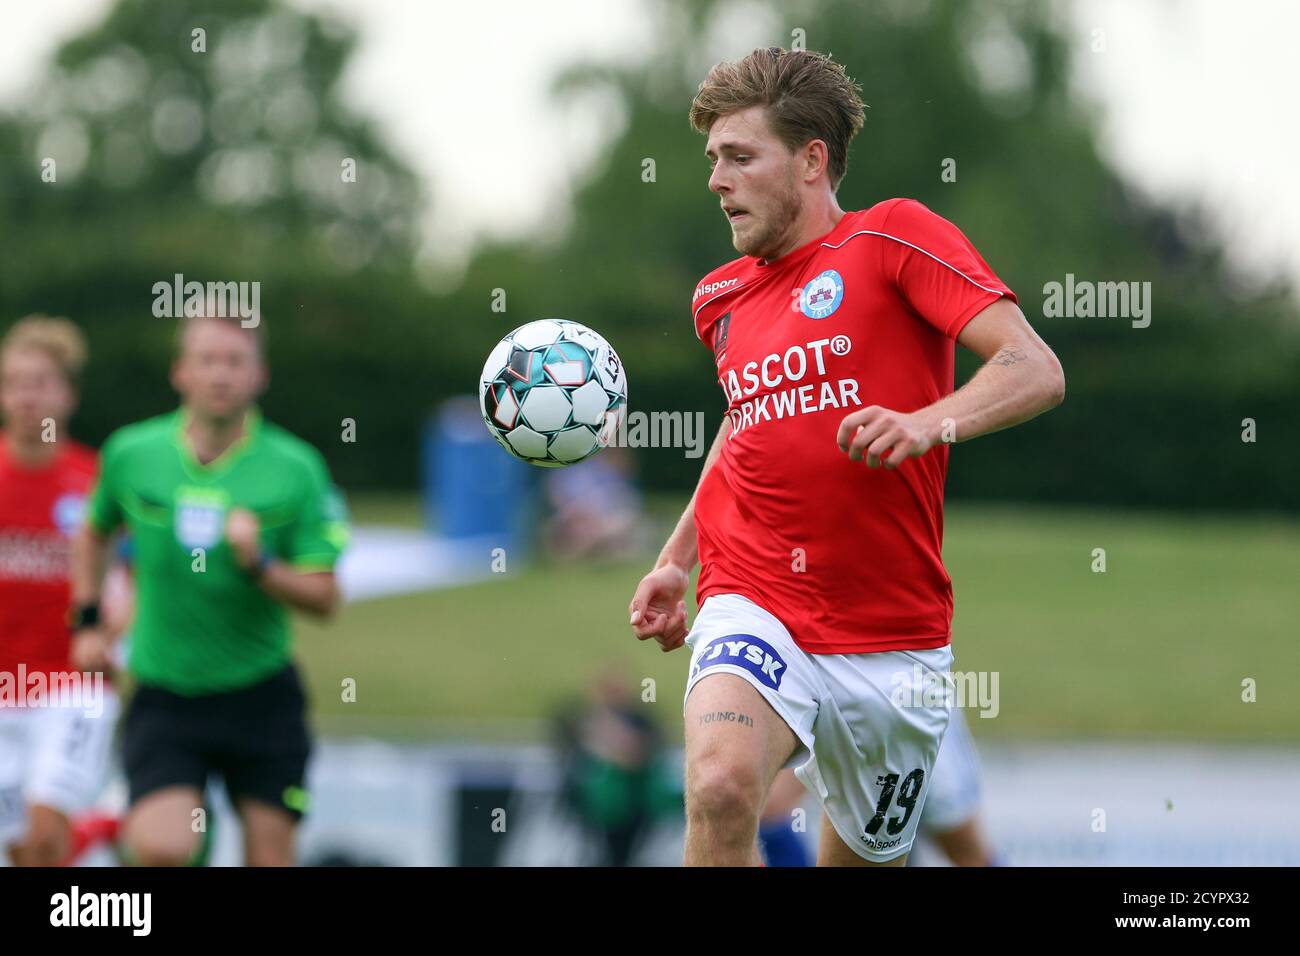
(822, 295)
(745, 651)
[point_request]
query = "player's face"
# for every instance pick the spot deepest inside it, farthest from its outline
(32, 390)
(220, 371)
(754, 174)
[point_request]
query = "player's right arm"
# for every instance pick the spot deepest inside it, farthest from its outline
(658, 608)
(91, 643)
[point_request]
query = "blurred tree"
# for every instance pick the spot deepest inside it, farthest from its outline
(1153, 416)
(208, 139)
(228, 164)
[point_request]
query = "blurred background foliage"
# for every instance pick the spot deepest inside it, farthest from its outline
(226, 166)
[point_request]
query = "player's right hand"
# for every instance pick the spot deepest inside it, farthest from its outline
(92, 651)
(658, 608)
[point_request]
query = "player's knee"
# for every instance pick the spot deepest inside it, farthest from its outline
(160, 849)
(964, 845)
(268, 856)
(967, 853)
(156, 853)
(727, 797)
(47, 840)
(32, 852)
(44, 849)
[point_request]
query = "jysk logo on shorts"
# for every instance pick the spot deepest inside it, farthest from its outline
(822, 295)
(744, 650)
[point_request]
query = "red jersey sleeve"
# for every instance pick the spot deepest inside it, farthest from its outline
(700, 332)
(936, 269)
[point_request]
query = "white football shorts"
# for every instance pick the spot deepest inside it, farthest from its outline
(55, 755)
(869, 725)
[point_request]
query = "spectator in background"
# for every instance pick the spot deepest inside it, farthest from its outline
(595, 508)
(616, 783)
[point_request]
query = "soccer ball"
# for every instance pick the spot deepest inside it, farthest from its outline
(553, 392)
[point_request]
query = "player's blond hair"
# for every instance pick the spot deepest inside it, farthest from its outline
(807, 96)
(59, 338)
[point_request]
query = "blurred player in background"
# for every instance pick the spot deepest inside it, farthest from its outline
(825, 608)
(232, 521)
(951, 817)
(54, 748)
(779, 838)
(595, 509)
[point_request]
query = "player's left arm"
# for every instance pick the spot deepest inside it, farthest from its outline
(1020, 378)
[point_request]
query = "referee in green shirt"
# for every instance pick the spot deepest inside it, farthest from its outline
(232, 521)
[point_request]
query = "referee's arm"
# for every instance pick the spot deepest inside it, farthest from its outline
(314, 592)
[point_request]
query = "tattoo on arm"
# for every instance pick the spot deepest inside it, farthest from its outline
(1008, 355)
(727, 716)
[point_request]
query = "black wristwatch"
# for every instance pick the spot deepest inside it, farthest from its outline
(258, 569)
(83, 616)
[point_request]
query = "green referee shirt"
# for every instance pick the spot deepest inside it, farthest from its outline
(201, 625)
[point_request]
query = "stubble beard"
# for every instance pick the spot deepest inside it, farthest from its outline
(772, 236)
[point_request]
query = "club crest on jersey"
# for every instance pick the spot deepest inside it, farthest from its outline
(67, 513)
(720, 337)
(822, 295)
(200, 515)
(746, 651)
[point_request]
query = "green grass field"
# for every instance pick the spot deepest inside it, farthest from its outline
(1156, 647)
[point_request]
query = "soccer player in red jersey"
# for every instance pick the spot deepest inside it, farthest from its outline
(823, 636)
(56, 726)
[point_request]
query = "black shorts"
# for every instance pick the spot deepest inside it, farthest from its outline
(255, 738)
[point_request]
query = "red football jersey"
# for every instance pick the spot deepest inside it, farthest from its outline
(847, 557)
(40, 509)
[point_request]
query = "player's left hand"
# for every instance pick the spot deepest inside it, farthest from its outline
(873, 431)
(244, 535)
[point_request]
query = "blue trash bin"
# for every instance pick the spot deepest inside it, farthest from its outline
(472, 487)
